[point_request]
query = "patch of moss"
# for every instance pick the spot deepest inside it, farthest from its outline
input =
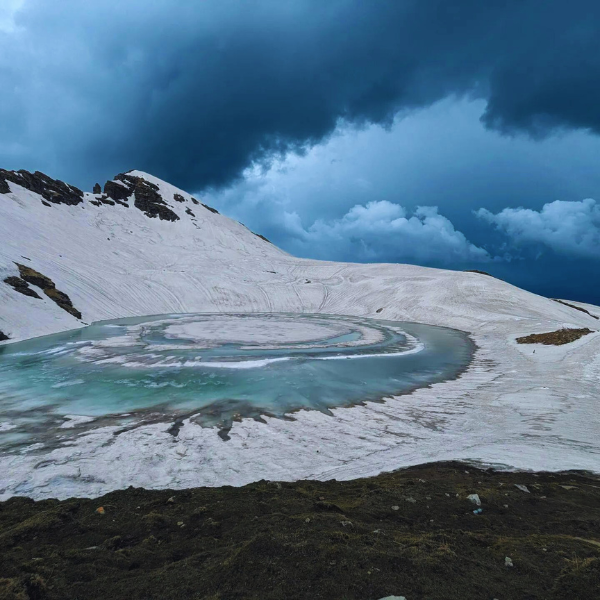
(554, 338)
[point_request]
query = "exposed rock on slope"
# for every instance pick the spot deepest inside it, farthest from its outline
(52, 190)
(146, 194)
(33, 277)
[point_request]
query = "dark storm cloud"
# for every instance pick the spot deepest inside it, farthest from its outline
(194, 92)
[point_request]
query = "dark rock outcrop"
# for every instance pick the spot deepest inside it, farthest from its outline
(146, 196)
(97, 189)
(52, 190)
(178, 197)
(29, 276)
(212, 210)
(262, 237)
(117, 190)
(3, 337)
(579, 308)
(22, 287)
(188, 211)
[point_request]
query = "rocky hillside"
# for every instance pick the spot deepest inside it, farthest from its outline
(140, 246)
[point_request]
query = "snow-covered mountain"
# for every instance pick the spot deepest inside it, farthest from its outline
(143, 247)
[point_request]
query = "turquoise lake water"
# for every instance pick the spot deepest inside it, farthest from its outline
(170, 367)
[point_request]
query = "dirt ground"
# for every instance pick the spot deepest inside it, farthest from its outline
(410, 533)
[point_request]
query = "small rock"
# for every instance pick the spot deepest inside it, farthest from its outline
(395, 508)
(180, 524)
(568, 487)
(411, 500)
(394, 598)
(478, 511)
(508, 562)
(346, 523)
(100, 510)
(307, 520)
(523, 488)
(474, 498)
(171, 500)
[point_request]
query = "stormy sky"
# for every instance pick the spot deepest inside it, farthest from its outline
(449, 133)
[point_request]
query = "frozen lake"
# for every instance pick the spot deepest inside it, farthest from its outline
(213, 369)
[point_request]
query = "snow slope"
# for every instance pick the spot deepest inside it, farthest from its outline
(512, 407)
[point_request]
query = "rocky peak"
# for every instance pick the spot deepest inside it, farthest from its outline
(147, 196)
(52, 190)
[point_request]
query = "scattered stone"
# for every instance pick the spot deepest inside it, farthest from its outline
(411, 500)
(508, 562)
(3, 337)
(178, 198)
(171, 500)
(474, 498)
(395, 507)
(394, 598)
(97, 189)
(523, 488)
(478, 511)
(100, 510)
(568, 487)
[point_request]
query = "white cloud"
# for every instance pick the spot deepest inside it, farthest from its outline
(384, 231)
(374, 231)
(570, 228)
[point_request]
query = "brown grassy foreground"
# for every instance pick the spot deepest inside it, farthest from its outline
(410, 533)
(554, 338)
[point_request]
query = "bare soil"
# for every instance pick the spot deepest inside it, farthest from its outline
(410, 533)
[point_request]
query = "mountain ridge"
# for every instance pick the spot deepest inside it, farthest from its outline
(142, 246)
